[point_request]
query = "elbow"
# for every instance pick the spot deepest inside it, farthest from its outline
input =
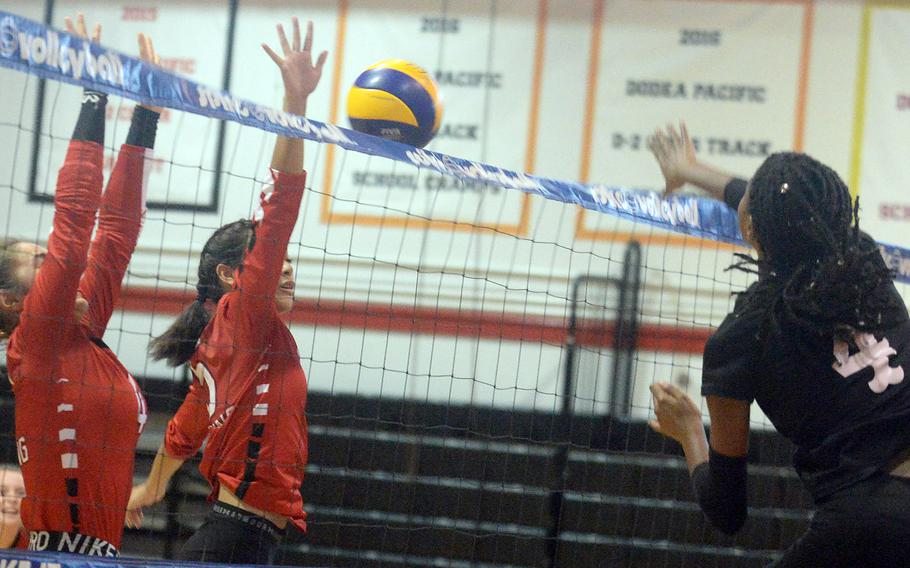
(720, 489)
(726, 512)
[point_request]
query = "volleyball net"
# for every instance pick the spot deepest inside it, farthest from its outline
(478, 374)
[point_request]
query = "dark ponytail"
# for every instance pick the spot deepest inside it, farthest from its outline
(228, 245)
(819, 274)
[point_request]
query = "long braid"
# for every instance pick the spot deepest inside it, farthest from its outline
(818, 272)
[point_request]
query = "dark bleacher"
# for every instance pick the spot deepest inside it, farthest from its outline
(397, 484)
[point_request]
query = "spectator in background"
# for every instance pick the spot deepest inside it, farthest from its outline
(12, 490)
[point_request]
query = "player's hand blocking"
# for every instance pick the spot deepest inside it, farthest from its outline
(299, 73)
(675, 153)
(80, 29)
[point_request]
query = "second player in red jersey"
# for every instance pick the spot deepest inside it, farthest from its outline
(249, 395)
(55, 304)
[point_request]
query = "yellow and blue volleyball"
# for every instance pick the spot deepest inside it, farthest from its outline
(396, 100)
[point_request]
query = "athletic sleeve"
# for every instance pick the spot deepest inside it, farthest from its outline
(49, 304)
(732, 356)
(189, 427)
(734, 192)
(119, 222)
(720, 486)
(256, 281)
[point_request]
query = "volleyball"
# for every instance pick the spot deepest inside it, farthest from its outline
(396, 100)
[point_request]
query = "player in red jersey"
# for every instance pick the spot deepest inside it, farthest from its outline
(249, 396)
(78, 410)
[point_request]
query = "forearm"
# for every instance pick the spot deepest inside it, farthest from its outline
(90, 124)
(124, 199)
(288, 154)
(79, 183)
(707, 177)
(719, 484)
(143, 127)
(695, 446)
(163, 469)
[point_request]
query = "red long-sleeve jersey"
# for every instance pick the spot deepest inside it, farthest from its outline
(78, 411)
(249, 396)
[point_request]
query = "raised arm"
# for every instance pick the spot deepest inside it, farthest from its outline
(258, 278)
(122, 209)
(679, 164)
(50, 304)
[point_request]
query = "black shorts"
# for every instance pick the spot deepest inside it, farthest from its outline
(233, 536)
(866, 525)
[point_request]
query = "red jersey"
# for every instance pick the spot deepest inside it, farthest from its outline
(78, 411)
(21, 540)
(249, 396)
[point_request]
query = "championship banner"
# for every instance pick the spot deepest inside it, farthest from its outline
(489, 75)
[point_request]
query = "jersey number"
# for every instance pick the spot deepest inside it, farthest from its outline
(21, 450)
(204, 376)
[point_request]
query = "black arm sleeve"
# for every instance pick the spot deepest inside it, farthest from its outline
(720, 488)
(734, 192)
(143, 128)
(90, 126)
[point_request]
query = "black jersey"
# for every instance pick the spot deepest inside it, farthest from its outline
(844, 402)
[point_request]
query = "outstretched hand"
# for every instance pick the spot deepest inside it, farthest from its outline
(675, 152)
(299, 73)
(80, 29)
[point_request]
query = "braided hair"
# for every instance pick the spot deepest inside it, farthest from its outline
(227, 245)
(818, 273)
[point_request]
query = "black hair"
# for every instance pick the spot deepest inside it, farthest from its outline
(227, 245)
(817, 271)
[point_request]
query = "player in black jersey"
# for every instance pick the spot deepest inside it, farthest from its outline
(821, 340)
